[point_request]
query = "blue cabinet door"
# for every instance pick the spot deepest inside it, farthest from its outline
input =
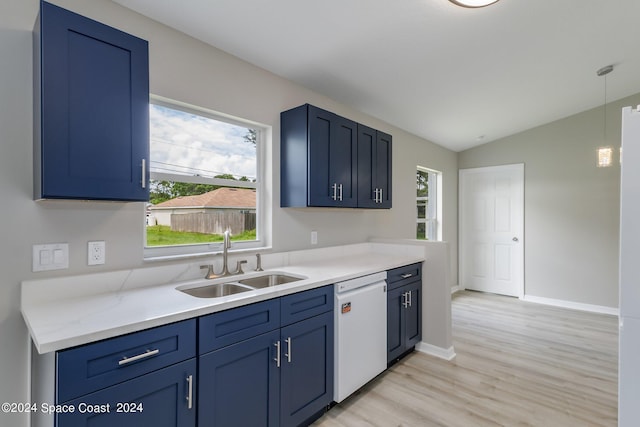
(239, 385)
(307, 369)
(404, 319)
(383, 168)
(395, 323)
(92, 90)
(159, 399)
(374, 168)
(413, 315)
(332, 159)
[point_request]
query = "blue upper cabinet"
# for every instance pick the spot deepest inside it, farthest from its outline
(91, 88)
(374, 168)
(318, 159)
(325, 164)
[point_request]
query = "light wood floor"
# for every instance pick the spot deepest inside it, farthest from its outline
(517, 364)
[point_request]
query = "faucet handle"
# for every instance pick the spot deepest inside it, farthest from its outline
(259, 262)
(239, 266)
(210, 273)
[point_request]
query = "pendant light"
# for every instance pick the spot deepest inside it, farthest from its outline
(473, 3)
(605, 154)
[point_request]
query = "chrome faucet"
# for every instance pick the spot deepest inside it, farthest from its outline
(226, 244)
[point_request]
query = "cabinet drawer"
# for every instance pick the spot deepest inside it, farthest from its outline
(160, 398)
(92, 367)
(402, 275)
(231, 326)
(300, 306)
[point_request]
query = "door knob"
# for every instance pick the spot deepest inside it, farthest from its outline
(515, 239)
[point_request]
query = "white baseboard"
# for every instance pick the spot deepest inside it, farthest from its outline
(455, 289)
(443, 353)
(572, 305)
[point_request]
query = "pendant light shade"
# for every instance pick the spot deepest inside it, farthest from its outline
(473, 3)
(605, 153)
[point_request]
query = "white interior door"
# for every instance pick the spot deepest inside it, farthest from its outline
(491, 229)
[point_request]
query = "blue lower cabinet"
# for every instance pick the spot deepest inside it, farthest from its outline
(307, 369)
(239, 385)
(404, 319)
(163, 398)
(279, 378)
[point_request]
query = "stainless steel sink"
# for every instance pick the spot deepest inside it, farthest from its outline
(268, 280)
(217, 290)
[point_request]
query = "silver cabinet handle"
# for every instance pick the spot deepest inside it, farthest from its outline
(288, 353)
(375, 195)
(144, 173)
(190, 392)
(144, 355)
(277, 359)
(334, 187)
(406, 276)
(410, 298)
(404, 300)
(380, 201)
(340, 193)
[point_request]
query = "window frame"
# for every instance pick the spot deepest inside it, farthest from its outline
(263, 133)
(433, 208)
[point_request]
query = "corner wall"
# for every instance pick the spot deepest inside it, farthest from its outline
(571, 206)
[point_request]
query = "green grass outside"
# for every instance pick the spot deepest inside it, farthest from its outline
(161, 235)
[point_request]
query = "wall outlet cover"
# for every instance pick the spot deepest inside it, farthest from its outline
(96, 253)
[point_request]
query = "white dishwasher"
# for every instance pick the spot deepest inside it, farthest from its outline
(360, 342)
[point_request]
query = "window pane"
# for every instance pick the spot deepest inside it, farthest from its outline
(422, 209)
(188, 144)
(421, 231)
(422, 179)
(183, 212)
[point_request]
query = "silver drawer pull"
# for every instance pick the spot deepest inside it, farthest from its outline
(190, 392)
(144, 355)
(288, 354)
(144, 173)
(277, 359)
(406, 276)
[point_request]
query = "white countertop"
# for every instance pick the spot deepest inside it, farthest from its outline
(74, 318)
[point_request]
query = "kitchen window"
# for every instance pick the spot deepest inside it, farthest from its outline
(205, 178)
(428, 203)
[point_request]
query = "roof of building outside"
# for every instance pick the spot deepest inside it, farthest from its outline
(223, 197)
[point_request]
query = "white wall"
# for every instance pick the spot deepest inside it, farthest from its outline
(189, 71)
(571, 206)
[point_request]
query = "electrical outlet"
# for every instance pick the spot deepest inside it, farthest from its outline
(96, 253)
(314, 237)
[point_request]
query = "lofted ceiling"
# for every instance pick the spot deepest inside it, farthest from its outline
(458, 77)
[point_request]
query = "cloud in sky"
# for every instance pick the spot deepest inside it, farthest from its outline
(188, 144)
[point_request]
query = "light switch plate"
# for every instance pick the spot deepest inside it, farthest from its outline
(96, 253)
(52, 256)
(314, 237)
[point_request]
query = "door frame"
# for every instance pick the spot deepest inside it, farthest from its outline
(463, 203)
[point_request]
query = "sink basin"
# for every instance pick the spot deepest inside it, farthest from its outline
(267, 280)
(217, 290)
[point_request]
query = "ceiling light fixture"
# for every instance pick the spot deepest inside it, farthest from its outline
(605, 154)
(473, 3)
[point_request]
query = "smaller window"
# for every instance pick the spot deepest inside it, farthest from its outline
(428, 204)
